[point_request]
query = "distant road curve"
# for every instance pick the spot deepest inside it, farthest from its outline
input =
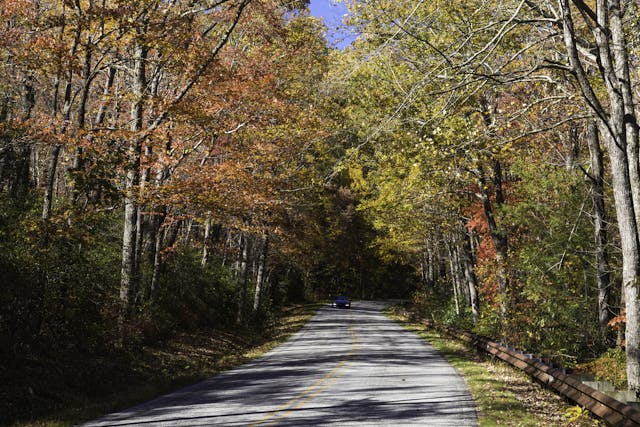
(346, 367)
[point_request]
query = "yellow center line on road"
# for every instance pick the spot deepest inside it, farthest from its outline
(310, 392)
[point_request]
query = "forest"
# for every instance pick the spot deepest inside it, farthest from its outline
(169, 165)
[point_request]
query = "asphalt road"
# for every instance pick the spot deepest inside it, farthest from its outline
(344, 368)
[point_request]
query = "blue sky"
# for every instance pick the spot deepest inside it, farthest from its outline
(332, 12)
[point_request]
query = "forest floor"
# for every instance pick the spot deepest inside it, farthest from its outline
(63, 392)
(55, 393)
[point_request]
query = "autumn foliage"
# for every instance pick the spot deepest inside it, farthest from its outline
(167, 166)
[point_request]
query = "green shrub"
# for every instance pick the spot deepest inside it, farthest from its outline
(192, 296)
(610, 367)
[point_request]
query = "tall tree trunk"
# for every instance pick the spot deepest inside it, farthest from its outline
(87, 80)
(424, 268)
(431, 264)
(630, 259)
(156, 239)
(129, 273)
(101, 115)
(50, 182)
(618, 128)
(462, 280)
(631, 282)
(141, 216)
(206, 241)
(498, 237)
(157, 256)
(142, 220)
(455, 275)
(262, 263)
(572, 149)
(66, 116)
(102, 109)
(243, 276)
(469, 273)
(603, 268)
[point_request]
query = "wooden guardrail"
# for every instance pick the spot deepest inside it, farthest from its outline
(613, 411)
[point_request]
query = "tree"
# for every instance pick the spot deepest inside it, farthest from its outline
(491, 87)
(208, 30)
(617, 122)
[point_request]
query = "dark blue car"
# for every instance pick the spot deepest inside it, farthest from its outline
(341, 302)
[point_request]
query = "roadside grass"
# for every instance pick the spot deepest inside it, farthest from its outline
(69, 392)
(504, 396)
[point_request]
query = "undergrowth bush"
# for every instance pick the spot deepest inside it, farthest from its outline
(193, 296)
(58, 284)
(610, 367)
